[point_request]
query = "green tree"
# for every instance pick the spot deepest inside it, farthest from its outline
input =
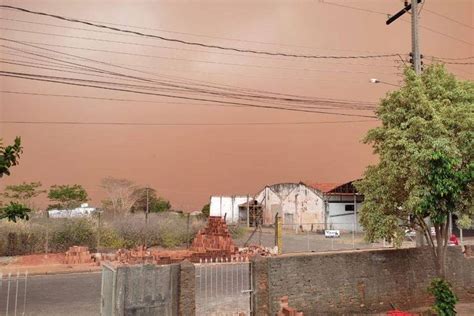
(23, 193)
(67, 196)
(206, 210)
(14, 211)
(155, 204)
(426, 145)
(9, 157)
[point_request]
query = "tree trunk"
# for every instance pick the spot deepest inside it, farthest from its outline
(440, 249)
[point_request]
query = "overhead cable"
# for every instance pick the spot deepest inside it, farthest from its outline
(223, 103)
(176, 40)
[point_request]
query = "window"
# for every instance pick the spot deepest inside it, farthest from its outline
(349, 207)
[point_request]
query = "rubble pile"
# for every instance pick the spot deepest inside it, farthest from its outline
(77, 255)
(254, 250)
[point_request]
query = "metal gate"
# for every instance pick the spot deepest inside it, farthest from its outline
(13, 293)
(223, 288)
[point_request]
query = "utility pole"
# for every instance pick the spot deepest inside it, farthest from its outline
(415, 61)
(415, 45)
(146, 216)
(415, 41)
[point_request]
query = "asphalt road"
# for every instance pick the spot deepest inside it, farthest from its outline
(75, 294)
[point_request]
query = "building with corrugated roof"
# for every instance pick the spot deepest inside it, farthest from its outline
(315, 206)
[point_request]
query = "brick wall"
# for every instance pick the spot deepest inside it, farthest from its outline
(355, 282)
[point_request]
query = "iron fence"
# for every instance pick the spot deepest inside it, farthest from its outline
(13, 289)
(223, 288)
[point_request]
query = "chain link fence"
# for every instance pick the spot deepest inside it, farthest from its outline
(312, 237)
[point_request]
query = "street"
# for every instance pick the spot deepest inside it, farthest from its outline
(75, 294)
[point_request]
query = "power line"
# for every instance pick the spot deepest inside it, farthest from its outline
(191, 60)
(444, 34)
(213, 37)
(421, 26)
(175, 40)
(448, 58)
(105, 99)
(182, 124)
(336, 104)
(113, 73)
(176, 90)
(448, 18)
(83, 58)
(145, 45)
(223, 103)
(213, 73)
(100, 98)
(355, 8)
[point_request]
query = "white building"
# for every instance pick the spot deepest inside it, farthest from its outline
(317, 206)
(297, 204)
(227, 206)
(342, 203)
(83, 211)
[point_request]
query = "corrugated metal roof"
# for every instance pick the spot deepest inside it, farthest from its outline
(325, 187)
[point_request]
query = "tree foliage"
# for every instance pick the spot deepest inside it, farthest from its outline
(23, 192)
(67, 196)
(426, 145)
(206, 210)
(155, 204)
(9, 156)
(14, 211)
(445, 299)
(121, 195)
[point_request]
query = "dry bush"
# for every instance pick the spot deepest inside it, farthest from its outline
(163, 229)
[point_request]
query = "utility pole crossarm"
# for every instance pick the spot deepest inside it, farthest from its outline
(400, 13)
(415, 47)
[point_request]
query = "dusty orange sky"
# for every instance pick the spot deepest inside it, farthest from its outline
(187, 164)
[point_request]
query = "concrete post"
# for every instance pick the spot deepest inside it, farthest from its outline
(278, 235)
(187, 292)
(261, 294)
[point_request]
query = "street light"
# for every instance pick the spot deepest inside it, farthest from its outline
(375, 80)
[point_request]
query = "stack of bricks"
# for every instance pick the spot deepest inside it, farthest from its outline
(214, 240)
(285, 310)
(77, 255)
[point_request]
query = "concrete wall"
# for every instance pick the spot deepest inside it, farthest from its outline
(354, 282)
(146, 290)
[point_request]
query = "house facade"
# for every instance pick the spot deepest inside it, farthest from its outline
(298, 205)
